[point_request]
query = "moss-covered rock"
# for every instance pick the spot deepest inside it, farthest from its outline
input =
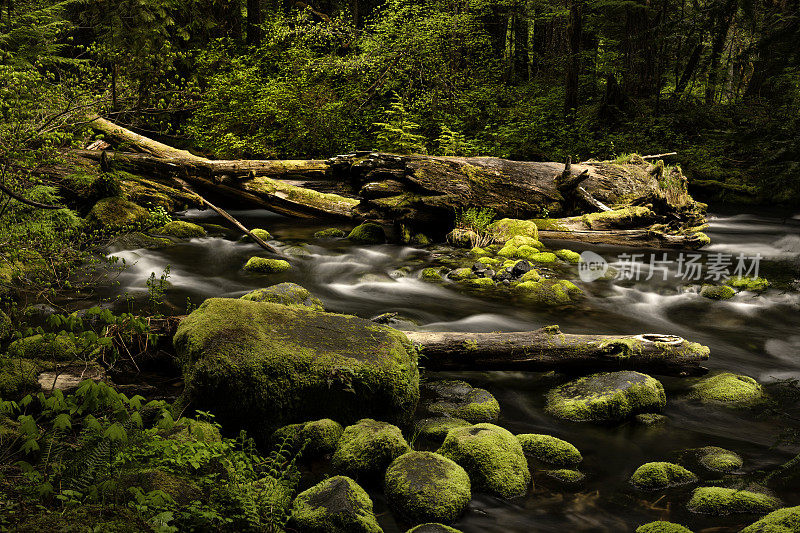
(336, 505)
(608, 396)
(433, 527)
(436, 428)
(367, 447)
(431, 274)
(566, 476)
(425, 486)
(264, 265)
(719, 501)
(507, 228)
(480, 283)
(116, 212)
(531, 275)
(6, 327)
(548, 292)
(285, 294)
(461, 274)
(492, 456)
(662, 527)
(330, 233)
(661, 475)
(181, 489)
(459, 399)
(18, 377)
(368, 233)
(261, 365)
(137, 240)
(786, 520)
(549, 449)
(717, 292)
(651, 419)
(477, 251)
(626, 217)
(730, 390)
(748, 284)
(181, 229)
(718, 459)
(568, 255)
(316, 438)
(48, 347)
(261, 233)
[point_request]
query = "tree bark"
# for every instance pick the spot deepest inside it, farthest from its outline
(254, 22)
(574, 32)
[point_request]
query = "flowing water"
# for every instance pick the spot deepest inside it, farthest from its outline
(756, 335)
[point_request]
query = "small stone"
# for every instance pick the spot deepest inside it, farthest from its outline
(181, 230)
(431, 274)
(717, 292)
(330, 233)
(520, 268)
(651, 419)
(565, 475)
(662, 527)
(661, 475)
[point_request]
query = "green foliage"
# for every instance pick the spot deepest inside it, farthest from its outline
(474, 222)
(397, 134)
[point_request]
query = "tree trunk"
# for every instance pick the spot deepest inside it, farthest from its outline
(254, 22)
(688, 72)
(723, 27)
(574, 31)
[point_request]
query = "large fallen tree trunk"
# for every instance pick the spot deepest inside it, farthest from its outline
(549, 349)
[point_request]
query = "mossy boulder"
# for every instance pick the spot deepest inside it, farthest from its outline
(6, 327)
(368, 233)
(261, 233)
(568, 255)
(717, 292)
(181, 489)
(433, 527)
(461, 274)
(748, 284)
(18, 377)
(431, 274)
(718, 459)
(651, 419)
(137, 240)
(606, 397)
(285, 294)
(492, 456)
(336, 505)
(548, 292)
(459, 399)
(316, 438)
(719, 501)
(330, 233)
(549, 449)
(786, 520)
(661, 475)
(181, 229)
(48, 347)
(116, 212)
(426, 486)
(566, 476)
(367, 447)
(507, 228)
(264, 265)
(260, 365)
(730, 390)
(662, 527)
(436, 428)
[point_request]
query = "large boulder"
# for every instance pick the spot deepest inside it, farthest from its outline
(458, 399)
(786, 520)
(549, 449)
(719, 501)
(368, 233)
(492, 456)
(426, 486)
(286, 294)
(181, 229)
(608, 396)
(260, 366)
(367, 448)
(315, 439)
(336, 505)
(116, 212)
(730, 390)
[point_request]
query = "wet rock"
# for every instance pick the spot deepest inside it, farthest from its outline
(719, 501)
(116, 212)
(730, 390)
(461, 274)
(549, 292)
(285, 294)
(479, 268)
(713, 458)
(568, 255)
(662, 527)
(717, 292)
(661, 475)
(505, 229)
(549, 449)
(606, 397)
(565, 476)
(263, 265)
(492, 457)
(489, 273)
(504, 275)
(330, 233)
(433, 528)
(368, 233)
(786, 520)
(137, 240)
(316, 438)
(384, 318)
(520, 268)
(181, 230)
(436, 428)
(431, 274)
(459, 399)
(748, 284)
(336, 505)
(479, 283)
(260, 365)
(367, 447)
(426, 486)
(651, 419)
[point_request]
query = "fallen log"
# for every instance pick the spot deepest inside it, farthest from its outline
(549, 349)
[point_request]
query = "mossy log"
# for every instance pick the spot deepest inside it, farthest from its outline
(549, 349)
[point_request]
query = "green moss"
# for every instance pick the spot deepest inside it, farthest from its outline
(507, 251)
(651, 419)
(550, 224)
(568, 255)
(432, 527)
(609, 396)
(181, 230)
(731, 390)
(490, 261)
(461, 274)
(748, 284)
(6, 327)
(717, 292)
(136, 240)
(548, 292)
(544, 257)
(619, 218)
(662, 527)
(330, 233)
(116, 212)
(436, 428)
(719, 459)
(181, 489)
(336, 505)
(420, 239)
(492, 457)
(507, 228)
(262, 234)
(264, 265)
(368, 233)
(431, 274)
(459, 399)
(480, 282)
(425, 486)
(661, 475)
(565, 475)
(549, 449)
(720, 501)
(285, 294)
(18, 377)
(47, 347)
(701, 239)
(479, 252)
(531, 275)
(316, 438)
(261, 365)
(367, 447)
(526, 252)
(786, 520)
